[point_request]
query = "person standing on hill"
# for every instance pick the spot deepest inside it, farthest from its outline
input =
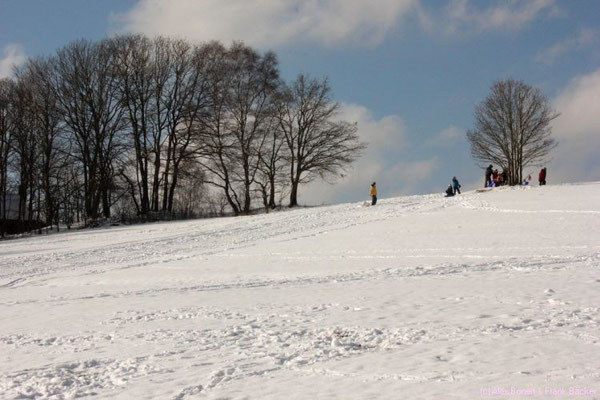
(455, 185)
(542, 176)
(488, 176)
(500, 181)
(504, 176)
(373, 194)
(495, 177)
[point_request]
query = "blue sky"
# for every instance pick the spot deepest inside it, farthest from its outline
(409, 72)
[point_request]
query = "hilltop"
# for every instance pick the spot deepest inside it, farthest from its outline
(416, 297)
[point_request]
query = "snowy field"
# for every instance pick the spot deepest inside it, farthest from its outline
(420, 297)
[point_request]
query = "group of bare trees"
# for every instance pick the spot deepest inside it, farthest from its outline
(146, 126)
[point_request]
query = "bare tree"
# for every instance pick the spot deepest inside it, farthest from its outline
(191, 193)
(271, 176)
(161, 76)
(512, 128)
(160, 89)
(190, 104)
(87, 93)
(37, 73)
(25, 147)
(7, 93)
(215, 139)
(134, 69)
(241, 84)
(254, 80)
(178, 89)
(317, 144)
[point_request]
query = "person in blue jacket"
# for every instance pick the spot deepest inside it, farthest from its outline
(455, 185)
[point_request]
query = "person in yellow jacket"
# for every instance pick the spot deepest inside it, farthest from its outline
(373, 194)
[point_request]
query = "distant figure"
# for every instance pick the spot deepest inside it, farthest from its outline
(542, 176)
(455, 185)
(449, 191)
(373, 194)
(488, 176)
(495, 177)
(527, 180)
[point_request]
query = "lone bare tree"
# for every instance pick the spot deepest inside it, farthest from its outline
(512, 128)
(317, 144)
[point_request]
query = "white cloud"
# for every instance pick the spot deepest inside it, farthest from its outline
(577, 131)
(385, 134)
(584, 38)
(381, 162)
(445, 136)
(14, 55)
(406, 177)
(267, 23)
(461, 16)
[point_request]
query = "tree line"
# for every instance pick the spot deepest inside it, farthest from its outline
(143, 126)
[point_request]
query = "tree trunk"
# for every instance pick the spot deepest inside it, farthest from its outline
(294, 194)
(272, 191)
(105, 200)
(156, 182)
(247, 200)
(173, 186)
(234, 207)
(170, 149)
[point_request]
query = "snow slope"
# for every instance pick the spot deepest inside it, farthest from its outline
(420, 297)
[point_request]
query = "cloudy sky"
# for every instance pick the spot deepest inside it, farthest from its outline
(410, 72)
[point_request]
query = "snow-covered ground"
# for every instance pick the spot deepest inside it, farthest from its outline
(420, 297)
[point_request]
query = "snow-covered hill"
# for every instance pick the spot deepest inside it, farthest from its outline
(420, 297)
